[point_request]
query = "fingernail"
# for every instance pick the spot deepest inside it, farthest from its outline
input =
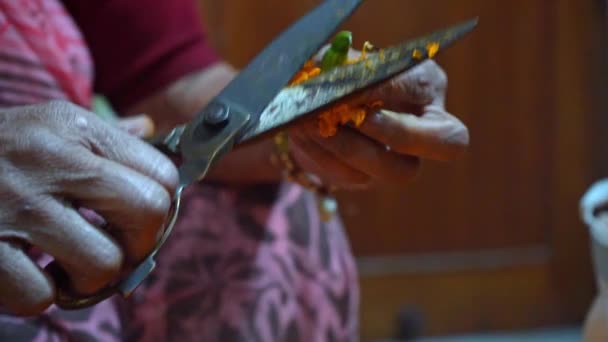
(139, 125)
(92, 217)
(136, 130)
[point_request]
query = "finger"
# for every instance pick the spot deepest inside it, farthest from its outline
(307, 153)
(25, 289)
(424, 84)
(409, 92)
(367, 156)
(140, 126)
(75, 123)
(127, 150)
(133, 203)
(435, 135)
(89, 256)
(135, 206)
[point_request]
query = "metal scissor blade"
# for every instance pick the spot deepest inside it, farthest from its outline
(295, 102)
(255, 86)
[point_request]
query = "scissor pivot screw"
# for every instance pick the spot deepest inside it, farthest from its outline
(216, 114)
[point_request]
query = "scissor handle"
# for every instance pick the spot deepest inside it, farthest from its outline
(66, 298)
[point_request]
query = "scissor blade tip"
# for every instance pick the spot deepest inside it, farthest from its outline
(471, 23)
(462, 29)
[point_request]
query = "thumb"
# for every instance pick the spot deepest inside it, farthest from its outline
(141, 125)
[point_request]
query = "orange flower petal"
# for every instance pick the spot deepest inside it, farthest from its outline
(432, 49)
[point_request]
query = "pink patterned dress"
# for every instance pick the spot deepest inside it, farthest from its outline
(248, 263)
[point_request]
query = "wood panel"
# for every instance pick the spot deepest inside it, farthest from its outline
(492, 241)
(494, 198)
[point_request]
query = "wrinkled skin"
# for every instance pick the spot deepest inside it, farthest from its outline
(54, 158)
(388, 147)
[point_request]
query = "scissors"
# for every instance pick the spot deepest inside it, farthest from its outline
(258, 102)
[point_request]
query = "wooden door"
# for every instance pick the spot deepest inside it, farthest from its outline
(492, 241)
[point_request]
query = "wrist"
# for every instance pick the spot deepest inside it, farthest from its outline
(247, 165)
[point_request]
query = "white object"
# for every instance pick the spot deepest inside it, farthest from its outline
(594, 198)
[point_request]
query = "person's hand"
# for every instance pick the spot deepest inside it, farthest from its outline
(55, 158)
(413, 125)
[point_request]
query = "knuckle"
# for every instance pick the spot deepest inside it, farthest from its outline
(29, 210)
(414, 89)
(85, 167)
(457, 138)
(460, 135)
(62, 108)
(430, 66)
(98, 262)
(59, 104)
(28, 300)
(442, 79)
(40, 152)
(155, 205)
(99, 274)
(157, 166)
(167, 172)
(41, 299)
(428, 81)
(156, 202)
(437, 77)
(73, 118)
(35, 303)
(28, 291)
(82, 121)
(106, 263)
(44, 145)
(59, 111)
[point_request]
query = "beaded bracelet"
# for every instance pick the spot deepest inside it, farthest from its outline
(326, 202)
